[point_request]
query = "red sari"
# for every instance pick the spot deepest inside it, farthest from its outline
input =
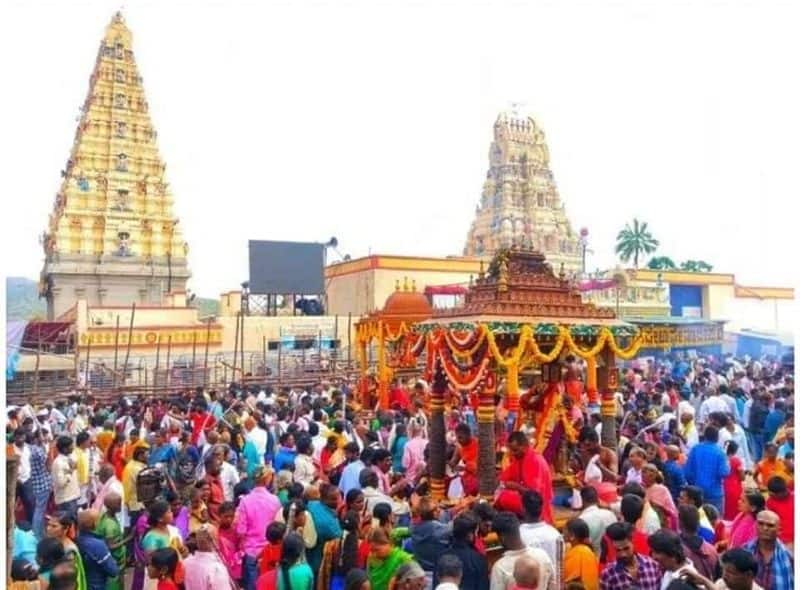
(469, 455)
(533, 473)
(732, 487)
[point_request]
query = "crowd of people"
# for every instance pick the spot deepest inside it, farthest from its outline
(298, 490)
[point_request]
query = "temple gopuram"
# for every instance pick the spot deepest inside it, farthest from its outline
(520, 201)
(112, 238)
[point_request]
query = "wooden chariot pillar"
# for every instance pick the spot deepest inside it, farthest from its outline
(607, 383)
(438, 443)
(487, 459)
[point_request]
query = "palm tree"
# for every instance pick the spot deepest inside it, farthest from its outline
(662, 263)
(634, 240)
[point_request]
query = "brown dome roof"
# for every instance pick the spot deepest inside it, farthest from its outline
(407, 302)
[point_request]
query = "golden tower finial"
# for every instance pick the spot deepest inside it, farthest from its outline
(414, 285)
(405, 283)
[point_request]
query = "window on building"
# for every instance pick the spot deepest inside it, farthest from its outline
(119, 50)
(120, 128)
(120, 101)
(119, 75)
(122, 163)
(83, 184)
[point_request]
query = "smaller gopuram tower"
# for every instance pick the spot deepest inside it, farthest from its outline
(520, 203)
(112, 238)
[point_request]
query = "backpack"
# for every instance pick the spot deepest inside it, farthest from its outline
(185, 468)
(149, 484)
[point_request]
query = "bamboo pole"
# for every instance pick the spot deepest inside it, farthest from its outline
(205, 355)
(169, 353)
(158, 358)
(319, 349)
(280, 347)
(36, 369)
(334, 345)
(241, 345)
(88, 355)
(235, 347)
(128, 349)
(264, 355)
(194, 356)
(116, 354)
(349, 340)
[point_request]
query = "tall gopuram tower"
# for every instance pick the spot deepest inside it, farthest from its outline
(112, 238)
(520, 202)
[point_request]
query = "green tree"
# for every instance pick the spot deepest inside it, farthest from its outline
(634, 240)
(662, 263)
(696, 266)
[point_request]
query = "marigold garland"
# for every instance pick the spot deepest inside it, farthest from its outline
(602, 338)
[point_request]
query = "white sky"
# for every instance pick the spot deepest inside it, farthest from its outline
(372, 121)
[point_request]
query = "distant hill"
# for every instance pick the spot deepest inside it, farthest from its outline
(23, 303)
(22, 300)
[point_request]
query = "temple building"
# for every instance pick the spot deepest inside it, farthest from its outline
(520, 202)
(112, 238)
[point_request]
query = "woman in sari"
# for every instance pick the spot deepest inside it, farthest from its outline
(61, 526)
(162, 535)
(743, 528)
(341, 555)
(657, 494)
(115, 455)
(384, 560)
(323, 513)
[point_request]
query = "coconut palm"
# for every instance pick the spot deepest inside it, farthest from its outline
(633, 240)
(662, 263)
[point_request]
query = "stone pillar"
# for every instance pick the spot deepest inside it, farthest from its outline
(607, 382)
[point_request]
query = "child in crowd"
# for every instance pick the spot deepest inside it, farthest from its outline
(271, 554)
(162, 568)
(229, 541)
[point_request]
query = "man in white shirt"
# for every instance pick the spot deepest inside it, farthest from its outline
(713, 403)
(66, 490)
(538, 534)
(24, 483)
(228, 474)
(449, 571)
(666, 549)
(596, 518)
(305, 472)
(256, 435)
(506, 525)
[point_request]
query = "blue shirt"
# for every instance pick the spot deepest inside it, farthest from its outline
(283, 458)
(706, 467)
(775, 420)
(24, 545)
(164, 454)
(97, 560)
(674, 478)
(349, 479)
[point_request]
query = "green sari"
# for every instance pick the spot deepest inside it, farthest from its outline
(72, 550)
(380, 573)
(108, 528)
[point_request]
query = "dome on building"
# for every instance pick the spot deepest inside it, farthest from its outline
(408, 302)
